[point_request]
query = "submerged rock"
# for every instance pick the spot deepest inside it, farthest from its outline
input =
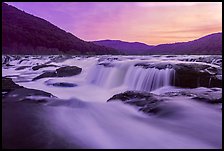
(61, 72)
(62, 84)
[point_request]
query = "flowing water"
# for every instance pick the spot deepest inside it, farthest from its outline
(85, 119)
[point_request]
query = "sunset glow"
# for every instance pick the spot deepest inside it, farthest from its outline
(149, 22)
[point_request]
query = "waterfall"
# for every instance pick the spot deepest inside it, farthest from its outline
(108, 77)
(135, 78)
(138, 78)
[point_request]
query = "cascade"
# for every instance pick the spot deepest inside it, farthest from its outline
(149, 79)
(136, 78)
(108, 77)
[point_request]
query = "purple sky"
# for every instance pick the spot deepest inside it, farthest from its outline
(148, 22)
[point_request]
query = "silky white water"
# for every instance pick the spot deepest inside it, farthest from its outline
(94, 123)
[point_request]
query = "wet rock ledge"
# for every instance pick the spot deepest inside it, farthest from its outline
(60, 72)
(147, 102)
(191, 75)
(12, 92)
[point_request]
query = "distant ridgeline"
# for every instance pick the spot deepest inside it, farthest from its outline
(23, 33)
(210, 44)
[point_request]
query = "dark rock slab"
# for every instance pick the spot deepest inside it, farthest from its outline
(144, 65)
(147, 102)
(194, 75)
(110, 59)
(45, 75)
(213, 59)
(12, 91)
(9, 65)
(60, 72)
(43, 66)
(161, 105)
(131, 95)
(155, 65)
(9, 85)
(211, 95)
(21, 94)
(171, 56)
(22, 67)
(62, 84)
(60, 58)
(106, 64)
(208, 99)
(23, 60)
(68, 71)
(190, 75)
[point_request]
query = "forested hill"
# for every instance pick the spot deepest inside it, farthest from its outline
(23, 33)
(206, 45)
(132, 48)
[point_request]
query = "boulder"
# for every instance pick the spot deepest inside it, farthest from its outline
(161, 105)
(24, 94)
(68, 71)
(9, 85)
(60, 72)
(14, 92)
(194, 75)
(147, 102)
